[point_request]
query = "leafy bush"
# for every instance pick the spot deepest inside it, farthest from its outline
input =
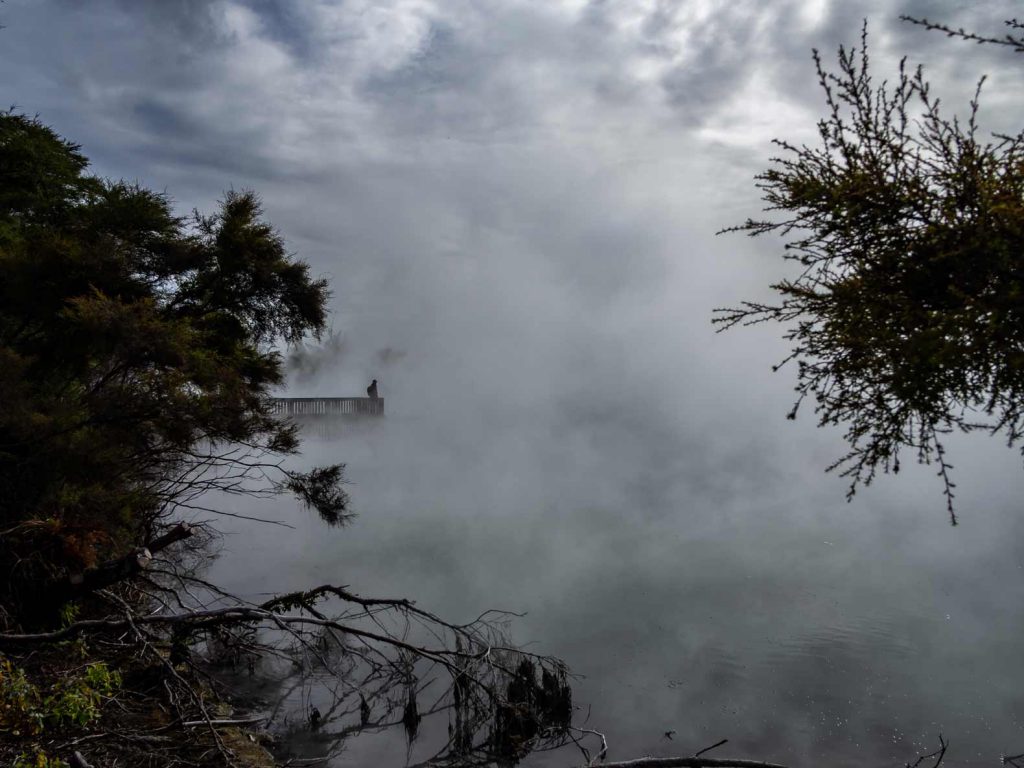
(39, 760)
(25, 712)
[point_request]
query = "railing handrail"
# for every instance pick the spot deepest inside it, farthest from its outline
(324, 399)
(328, 406)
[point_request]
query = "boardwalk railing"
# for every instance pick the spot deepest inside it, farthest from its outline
(328, 406)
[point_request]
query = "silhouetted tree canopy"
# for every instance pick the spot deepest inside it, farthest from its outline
(136, 356)
(905, 307)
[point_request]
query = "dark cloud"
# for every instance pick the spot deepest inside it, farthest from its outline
(285, 23)
(190, 25)
(715, 58)
(440, 90)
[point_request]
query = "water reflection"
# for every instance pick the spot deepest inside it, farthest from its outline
(764, 611)
(338, 666)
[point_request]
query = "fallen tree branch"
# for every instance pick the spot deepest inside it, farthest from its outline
(208, 619)
(77, 584)
(689, 762)
(375, 657)
(224, 723)
(175, 534)
(713, 746)
(197, 620)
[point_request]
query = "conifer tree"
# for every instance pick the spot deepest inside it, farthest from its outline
(905, 305)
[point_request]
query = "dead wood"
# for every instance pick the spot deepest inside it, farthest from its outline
(688, 762)
(76, 585)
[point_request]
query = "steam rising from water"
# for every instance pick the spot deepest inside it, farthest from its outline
(516, 204)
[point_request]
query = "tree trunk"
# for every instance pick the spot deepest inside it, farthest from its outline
(75, 585)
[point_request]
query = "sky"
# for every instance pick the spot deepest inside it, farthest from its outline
(516, 204)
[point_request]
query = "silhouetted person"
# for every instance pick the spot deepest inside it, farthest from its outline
(372, 390)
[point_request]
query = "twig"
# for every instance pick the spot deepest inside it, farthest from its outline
(690, 762)
(220, 723)
(938, 754)
(708, 749)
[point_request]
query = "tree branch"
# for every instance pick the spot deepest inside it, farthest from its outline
(113, 571)
(689, 762)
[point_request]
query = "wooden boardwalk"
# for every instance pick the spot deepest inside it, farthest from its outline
(325, 407)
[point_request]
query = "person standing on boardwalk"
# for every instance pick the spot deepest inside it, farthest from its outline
(372, 390)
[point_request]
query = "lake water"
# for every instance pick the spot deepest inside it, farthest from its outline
(717, 588)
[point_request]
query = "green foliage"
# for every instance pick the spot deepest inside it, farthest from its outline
(20, 703)
(75, 700)
(68, 614)
(321, 490)
(42, 173)
(38, 760)
(136, 355)
(906, 311)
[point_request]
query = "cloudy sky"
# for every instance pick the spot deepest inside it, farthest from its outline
(511, 187)
(516, 202)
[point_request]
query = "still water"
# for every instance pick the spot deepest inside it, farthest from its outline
(711, 588)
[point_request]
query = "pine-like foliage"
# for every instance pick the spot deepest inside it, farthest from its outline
(136, 356)
(906, 305)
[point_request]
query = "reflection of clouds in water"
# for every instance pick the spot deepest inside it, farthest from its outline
(801, 628)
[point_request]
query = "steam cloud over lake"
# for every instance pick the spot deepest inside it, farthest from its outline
(516, 204)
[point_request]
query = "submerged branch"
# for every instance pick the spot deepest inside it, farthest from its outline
(689, 762)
